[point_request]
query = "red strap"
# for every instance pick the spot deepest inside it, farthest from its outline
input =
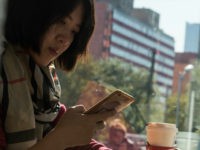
(152, 147)
(61, 112)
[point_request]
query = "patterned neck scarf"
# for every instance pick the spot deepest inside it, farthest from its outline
(29, 97)
(44, 86)
(45, 98)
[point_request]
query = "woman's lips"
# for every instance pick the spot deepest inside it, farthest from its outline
(53, 51)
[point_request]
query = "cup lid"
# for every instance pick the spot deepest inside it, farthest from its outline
(161, 124)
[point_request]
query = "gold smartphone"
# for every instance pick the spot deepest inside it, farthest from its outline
(117, 100)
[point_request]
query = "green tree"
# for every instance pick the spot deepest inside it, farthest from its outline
(72, 83)
(111, 71)
(195, 87)
(170, 112)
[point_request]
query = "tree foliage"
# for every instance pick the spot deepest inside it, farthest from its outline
(110, 71)
(185, 100)
(170, 112)
(195, 87)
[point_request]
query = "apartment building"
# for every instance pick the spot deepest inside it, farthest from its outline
(134, 39)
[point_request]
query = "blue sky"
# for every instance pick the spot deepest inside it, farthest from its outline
(173, 16)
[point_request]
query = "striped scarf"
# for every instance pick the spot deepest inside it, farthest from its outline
(33, 94)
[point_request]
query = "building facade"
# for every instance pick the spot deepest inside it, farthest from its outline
(192, 38)
(134, 41)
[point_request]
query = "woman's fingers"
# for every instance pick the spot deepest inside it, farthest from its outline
(100, 125)
(101, 116)
(98, 120)
(77, 108)
(74, 122)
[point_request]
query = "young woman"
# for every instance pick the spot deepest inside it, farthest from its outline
(39, 35)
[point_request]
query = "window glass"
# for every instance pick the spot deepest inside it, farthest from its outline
(151, 50)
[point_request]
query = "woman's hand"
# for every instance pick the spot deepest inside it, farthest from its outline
(76, 128)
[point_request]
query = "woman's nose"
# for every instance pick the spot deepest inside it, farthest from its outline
(62, 39)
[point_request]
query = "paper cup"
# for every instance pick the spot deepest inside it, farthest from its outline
(161, 134)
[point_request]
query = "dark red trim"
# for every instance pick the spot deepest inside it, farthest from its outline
(141, 44)
(15, 81)
(143, 34)
(141, 55)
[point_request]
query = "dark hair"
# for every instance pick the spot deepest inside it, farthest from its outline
(28, 20)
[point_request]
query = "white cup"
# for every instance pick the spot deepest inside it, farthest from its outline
(161, 134)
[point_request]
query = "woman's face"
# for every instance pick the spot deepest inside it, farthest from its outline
(59, 37)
